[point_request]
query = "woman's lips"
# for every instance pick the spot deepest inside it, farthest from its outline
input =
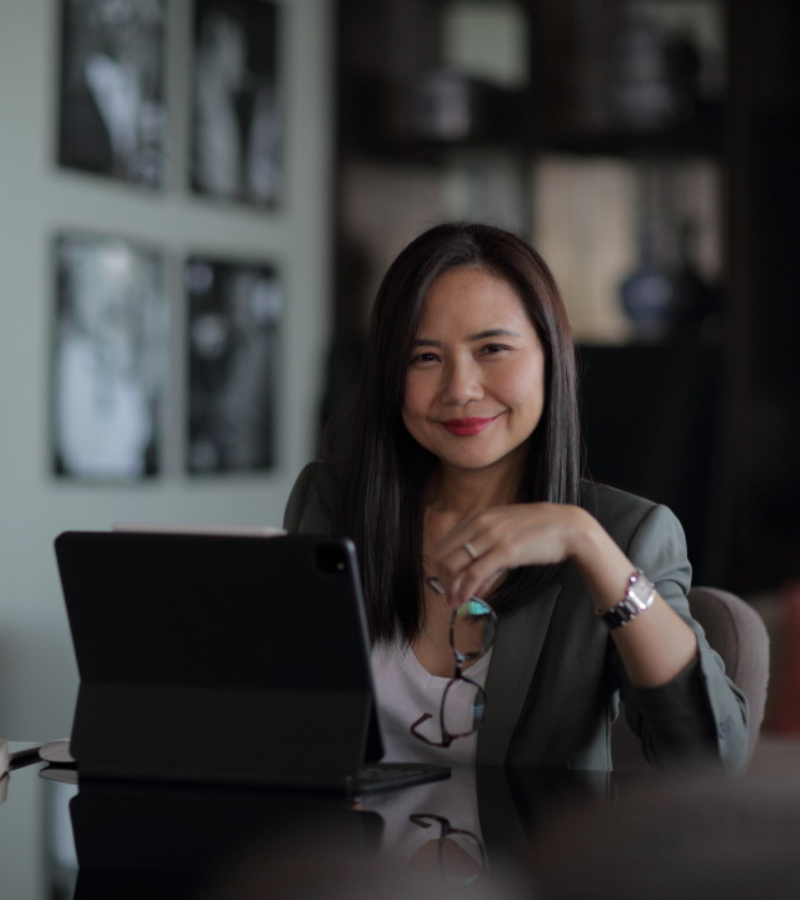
(467, 427)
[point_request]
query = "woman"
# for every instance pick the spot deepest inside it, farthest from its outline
(461, 479)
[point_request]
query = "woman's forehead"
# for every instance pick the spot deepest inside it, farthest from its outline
(469, 297)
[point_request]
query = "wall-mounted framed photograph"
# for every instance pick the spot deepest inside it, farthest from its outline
(238, 108)
(112, 110)
(109, 358)
(233, 319)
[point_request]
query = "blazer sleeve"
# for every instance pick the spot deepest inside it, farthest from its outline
(309, 508)
(700, 718)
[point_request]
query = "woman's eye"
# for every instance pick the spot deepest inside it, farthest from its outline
(491, 349)
(423, 358)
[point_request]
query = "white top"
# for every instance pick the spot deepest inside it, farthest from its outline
(405, 691)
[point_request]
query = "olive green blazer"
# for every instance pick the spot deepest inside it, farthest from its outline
(555, 680)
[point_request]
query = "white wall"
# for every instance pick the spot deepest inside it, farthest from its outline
(37, 672)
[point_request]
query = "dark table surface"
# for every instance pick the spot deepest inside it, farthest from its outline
(489, 832)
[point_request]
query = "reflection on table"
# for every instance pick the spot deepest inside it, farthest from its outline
(500, 834)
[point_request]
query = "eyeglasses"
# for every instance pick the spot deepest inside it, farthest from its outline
(463, 707)
(457, 869)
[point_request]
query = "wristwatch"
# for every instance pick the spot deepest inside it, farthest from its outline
(638, 597)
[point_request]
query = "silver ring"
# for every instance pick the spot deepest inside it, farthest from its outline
(470, 549)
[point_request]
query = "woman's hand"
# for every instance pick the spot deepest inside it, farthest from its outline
(470, 558)
(476, 553)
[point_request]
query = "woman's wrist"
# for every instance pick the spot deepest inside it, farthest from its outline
(602, 563)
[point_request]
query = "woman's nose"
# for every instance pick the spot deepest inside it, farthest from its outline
(461, 384)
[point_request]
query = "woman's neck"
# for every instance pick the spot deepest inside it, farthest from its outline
(461, 491)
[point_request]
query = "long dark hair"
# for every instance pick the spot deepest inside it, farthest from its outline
(385, 471)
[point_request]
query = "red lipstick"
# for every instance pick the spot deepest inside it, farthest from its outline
(468, 427)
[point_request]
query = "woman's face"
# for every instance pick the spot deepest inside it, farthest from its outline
(475, 383)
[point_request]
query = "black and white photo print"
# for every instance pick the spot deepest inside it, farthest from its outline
(112, 111)
(232, 329)
(109, 359)
(238, 114)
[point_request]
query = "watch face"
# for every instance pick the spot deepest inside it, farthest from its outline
(638, 597)
(641, 592)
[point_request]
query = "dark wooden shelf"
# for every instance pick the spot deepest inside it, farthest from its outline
(701, 136)
(411, 149)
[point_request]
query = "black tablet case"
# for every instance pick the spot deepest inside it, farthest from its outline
(225, 659)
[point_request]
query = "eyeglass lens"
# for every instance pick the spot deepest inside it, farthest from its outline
(472, 629)
(463, 707)
(471, 634)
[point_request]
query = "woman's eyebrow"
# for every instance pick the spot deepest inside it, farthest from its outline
(481, 335)
(494, 332)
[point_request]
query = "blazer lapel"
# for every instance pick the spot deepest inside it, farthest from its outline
(517, 647)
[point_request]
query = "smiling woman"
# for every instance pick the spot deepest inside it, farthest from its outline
(474, 389)
(460, 480)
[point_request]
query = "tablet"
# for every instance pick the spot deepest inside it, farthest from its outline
(193, 528)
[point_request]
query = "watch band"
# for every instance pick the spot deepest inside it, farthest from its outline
(639, 596)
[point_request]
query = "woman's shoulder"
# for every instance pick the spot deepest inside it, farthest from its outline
(310, 506)
(648, 532)
(598, 496)
(618, 510)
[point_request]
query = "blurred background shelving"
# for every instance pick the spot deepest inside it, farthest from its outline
(648, 138)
